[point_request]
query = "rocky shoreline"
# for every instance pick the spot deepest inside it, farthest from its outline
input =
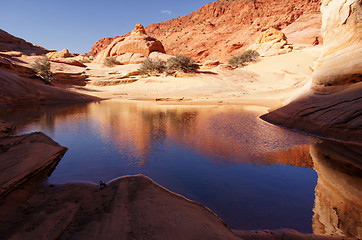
(129, 207)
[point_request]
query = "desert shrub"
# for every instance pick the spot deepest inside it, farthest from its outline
(241, 60)
(152, 67)
(110, 62)
(42, 70)
(182, 63)
(85, 59)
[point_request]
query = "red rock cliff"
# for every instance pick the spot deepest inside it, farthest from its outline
(224, 28)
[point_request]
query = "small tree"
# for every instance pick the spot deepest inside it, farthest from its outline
(110, 62)
(152, 66)
(42, 70)
(182, 63)
(242, 60)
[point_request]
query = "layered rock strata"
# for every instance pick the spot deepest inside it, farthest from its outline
(9, 43)
(22, 157)
(16, 89)
(270, 43)
(332, 106)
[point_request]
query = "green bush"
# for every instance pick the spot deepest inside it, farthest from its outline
(42, 70)
(152, 67)
(182, 63)
(242, 60)
(110, 62)
(84, 59)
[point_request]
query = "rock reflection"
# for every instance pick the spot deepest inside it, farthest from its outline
(338, 202)
(224, 135)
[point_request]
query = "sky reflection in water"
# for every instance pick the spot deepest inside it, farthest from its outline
(252, 174)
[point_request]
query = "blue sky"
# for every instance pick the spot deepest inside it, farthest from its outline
(78, 24)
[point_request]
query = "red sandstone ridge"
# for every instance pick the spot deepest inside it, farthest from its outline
(9, 42)
(225, 28)
(100, 45)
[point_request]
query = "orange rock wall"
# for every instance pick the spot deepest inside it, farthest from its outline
(224, 28)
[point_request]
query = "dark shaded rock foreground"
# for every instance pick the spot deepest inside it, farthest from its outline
(23, 156)
(131, 207)
(335, 115)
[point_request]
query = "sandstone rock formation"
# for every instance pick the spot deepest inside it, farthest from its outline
(23, 156)
(160, 56)
(139, 30)
(100, 45)
(340, 63)
(59, 54)
(15, 89)
(224, 28)
(332, 107)
(338, 202)
(211, 63)
(130, 207)
(131, 49)
(64, 57)
(271, 42)
(269, 35)
(305, 30)
(10, 43)
(5, 129)
(70, 61)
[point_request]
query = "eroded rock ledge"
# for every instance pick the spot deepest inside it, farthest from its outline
(22, 157)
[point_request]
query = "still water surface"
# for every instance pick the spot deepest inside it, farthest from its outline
(250, 173)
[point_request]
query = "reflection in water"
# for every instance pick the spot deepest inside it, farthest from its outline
(338, 203)
(224, 135)
(252, 174)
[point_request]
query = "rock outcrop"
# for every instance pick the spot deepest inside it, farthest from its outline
(59, 54)
(64, 57)
(23, 156)
(305, 30)
(340, 63)
(139, 30)
(10, 43)
(5, 129)
(332, 106)
(270, 43)
(131, 49)
(15, 89)
(100, 45)
(224, 28)
(130, 207)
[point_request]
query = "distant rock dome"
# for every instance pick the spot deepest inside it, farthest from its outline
(131, 49)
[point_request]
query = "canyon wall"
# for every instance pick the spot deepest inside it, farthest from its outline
(225, 28)
(332, 106)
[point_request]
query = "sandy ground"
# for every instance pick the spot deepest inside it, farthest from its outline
(269, 82)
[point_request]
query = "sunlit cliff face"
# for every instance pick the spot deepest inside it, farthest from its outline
(338, 202)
